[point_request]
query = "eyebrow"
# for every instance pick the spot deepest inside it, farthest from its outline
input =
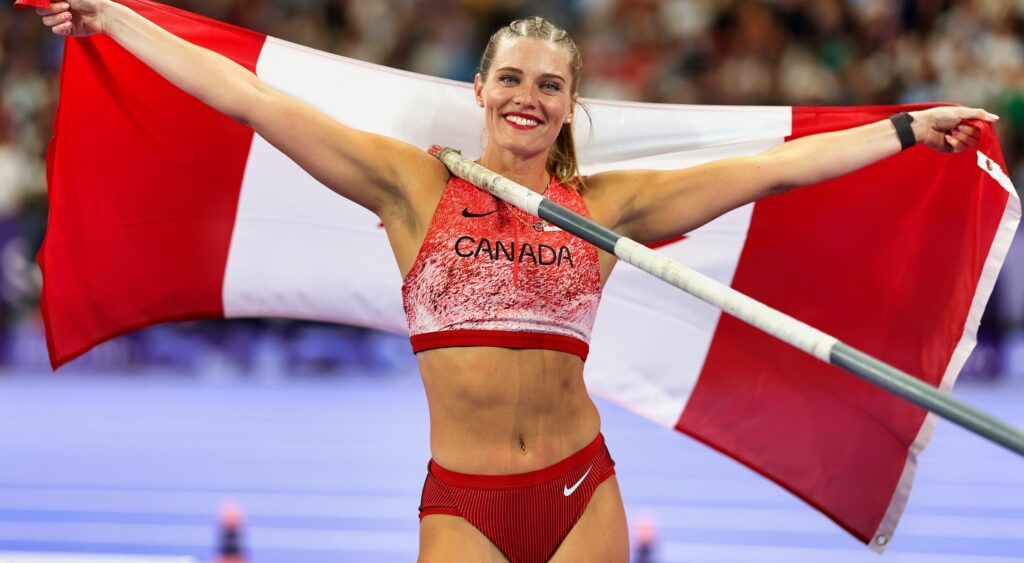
(544, 75)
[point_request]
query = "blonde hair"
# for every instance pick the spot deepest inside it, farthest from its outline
(562, 162)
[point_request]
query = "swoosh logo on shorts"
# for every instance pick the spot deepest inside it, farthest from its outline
(467, 213)
(570, 490)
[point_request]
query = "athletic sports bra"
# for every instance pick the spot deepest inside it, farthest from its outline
(489, 274)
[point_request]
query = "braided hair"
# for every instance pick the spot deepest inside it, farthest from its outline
(562, 162)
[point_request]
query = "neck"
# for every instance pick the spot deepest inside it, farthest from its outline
(530, 171)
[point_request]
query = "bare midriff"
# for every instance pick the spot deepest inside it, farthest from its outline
(498, 411)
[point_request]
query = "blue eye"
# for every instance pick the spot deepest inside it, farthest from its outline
(551, 86)
(508, 79)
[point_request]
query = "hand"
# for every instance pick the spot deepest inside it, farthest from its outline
(74, 18)
(944, 130)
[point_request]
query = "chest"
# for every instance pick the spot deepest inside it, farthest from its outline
(481, 252)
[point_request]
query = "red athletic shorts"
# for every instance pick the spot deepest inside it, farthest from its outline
(526, 515)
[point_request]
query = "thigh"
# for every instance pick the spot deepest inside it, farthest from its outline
(600, 535)
(452, 539)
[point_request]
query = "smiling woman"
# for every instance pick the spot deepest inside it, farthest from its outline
(500, 308)
(556, 65)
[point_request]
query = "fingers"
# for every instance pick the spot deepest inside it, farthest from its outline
(968, 130)
(958, 134)
(54, 9)
(959, 140)
(953, 144)
(63, 29)
(976, 113)
(57, 19)
(967, 135)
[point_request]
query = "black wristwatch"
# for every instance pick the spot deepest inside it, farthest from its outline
(901, 121)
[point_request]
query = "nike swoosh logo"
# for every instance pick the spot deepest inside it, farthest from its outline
(570, 490)
(467, 213)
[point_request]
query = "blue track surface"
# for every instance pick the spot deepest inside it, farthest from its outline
(331, 470)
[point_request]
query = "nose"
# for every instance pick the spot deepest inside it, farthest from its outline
(524, 97)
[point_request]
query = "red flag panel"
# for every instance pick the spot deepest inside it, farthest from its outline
(133, 238)
(20, 4)
(887, 260)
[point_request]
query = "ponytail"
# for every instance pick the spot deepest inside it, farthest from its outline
(562, 162)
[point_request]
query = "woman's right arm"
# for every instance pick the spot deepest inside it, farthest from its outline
(361, 166)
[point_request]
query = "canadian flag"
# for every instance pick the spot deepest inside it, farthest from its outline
(164, 210)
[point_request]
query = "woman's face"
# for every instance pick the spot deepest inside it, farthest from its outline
(526, 95)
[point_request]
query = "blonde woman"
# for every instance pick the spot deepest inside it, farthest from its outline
(500, 307)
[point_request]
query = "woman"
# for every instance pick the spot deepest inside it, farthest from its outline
(500, 306)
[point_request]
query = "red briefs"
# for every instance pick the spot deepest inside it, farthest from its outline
(526, 515)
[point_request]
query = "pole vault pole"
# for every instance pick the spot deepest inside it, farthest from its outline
(805, 337)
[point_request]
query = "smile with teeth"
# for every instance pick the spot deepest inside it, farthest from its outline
(520, 121)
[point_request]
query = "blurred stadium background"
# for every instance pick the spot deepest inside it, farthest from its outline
(268, 410)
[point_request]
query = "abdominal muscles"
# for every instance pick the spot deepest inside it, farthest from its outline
(497, 411)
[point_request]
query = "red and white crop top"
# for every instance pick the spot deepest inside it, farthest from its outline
(489, 274)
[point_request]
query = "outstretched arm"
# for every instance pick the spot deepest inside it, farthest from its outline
(660, 204)
(363, 167)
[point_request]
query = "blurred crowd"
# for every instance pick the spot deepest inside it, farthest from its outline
(785, 52)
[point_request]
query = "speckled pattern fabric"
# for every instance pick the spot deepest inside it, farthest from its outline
(489, 274)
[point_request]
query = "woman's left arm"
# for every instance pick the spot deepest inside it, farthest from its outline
(655, 205)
